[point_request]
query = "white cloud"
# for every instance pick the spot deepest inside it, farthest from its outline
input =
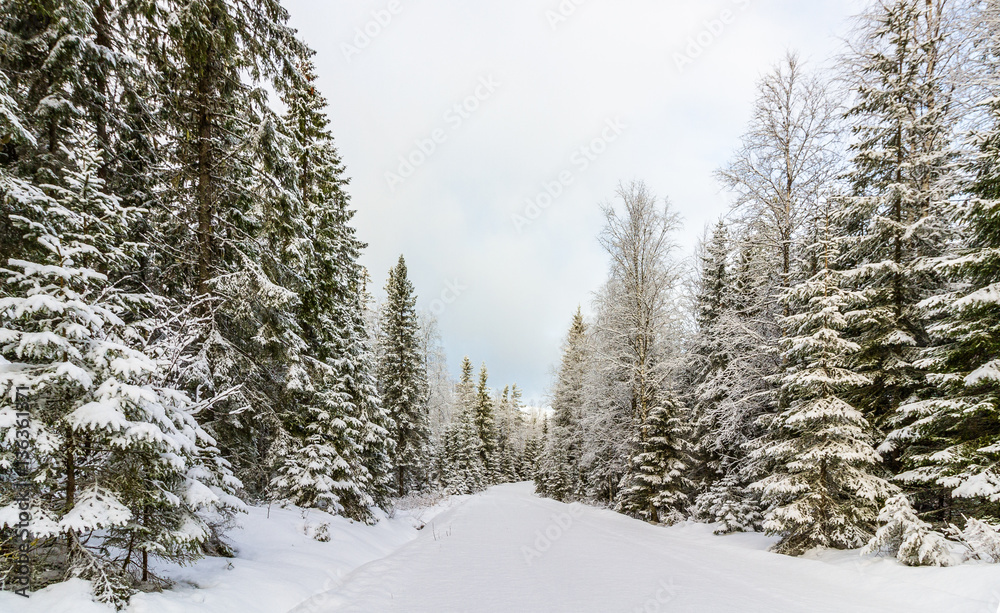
(452, 217)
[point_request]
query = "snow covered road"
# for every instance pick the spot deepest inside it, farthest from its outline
(508, 550)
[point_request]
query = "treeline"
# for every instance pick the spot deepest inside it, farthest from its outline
(455, 437)
(182, 302)
(833, 369)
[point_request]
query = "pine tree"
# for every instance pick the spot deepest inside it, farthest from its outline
(403, 381)
(822, 488)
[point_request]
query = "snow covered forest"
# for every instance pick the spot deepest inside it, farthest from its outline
(182, 303)
(829, 372)
(187, 333)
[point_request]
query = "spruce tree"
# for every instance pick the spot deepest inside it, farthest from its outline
(119, 454)
(901, 183)
(72, 63)
(462, 469)
(907, 537)
(510, 426)
(465, 389)
(822, 488)
(229, 211)
(720, 457)
(713, 282)
(518, 427)
(485, 420)
(403, 381)
(51, 51)
(706, 370)
(530, 461)
(657, 486)
(553, 479)
(785, 161)
(361, 380)
(329, 439)
(560, 466)
(951, 437)
(737, 389)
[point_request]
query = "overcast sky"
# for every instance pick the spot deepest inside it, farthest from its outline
(459, 119)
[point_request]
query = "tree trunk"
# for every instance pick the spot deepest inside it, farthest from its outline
(205, 163)
(102, 38)
(70, 458)
(145, 551)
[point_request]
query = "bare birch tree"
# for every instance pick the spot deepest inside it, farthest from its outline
(785, 162)
(634, 340)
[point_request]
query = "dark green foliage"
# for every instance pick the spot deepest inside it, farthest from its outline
(657, 486)
(403, 382)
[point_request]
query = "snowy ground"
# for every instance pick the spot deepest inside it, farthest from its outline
(278, 566)
(508, 550)
(511, 551)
